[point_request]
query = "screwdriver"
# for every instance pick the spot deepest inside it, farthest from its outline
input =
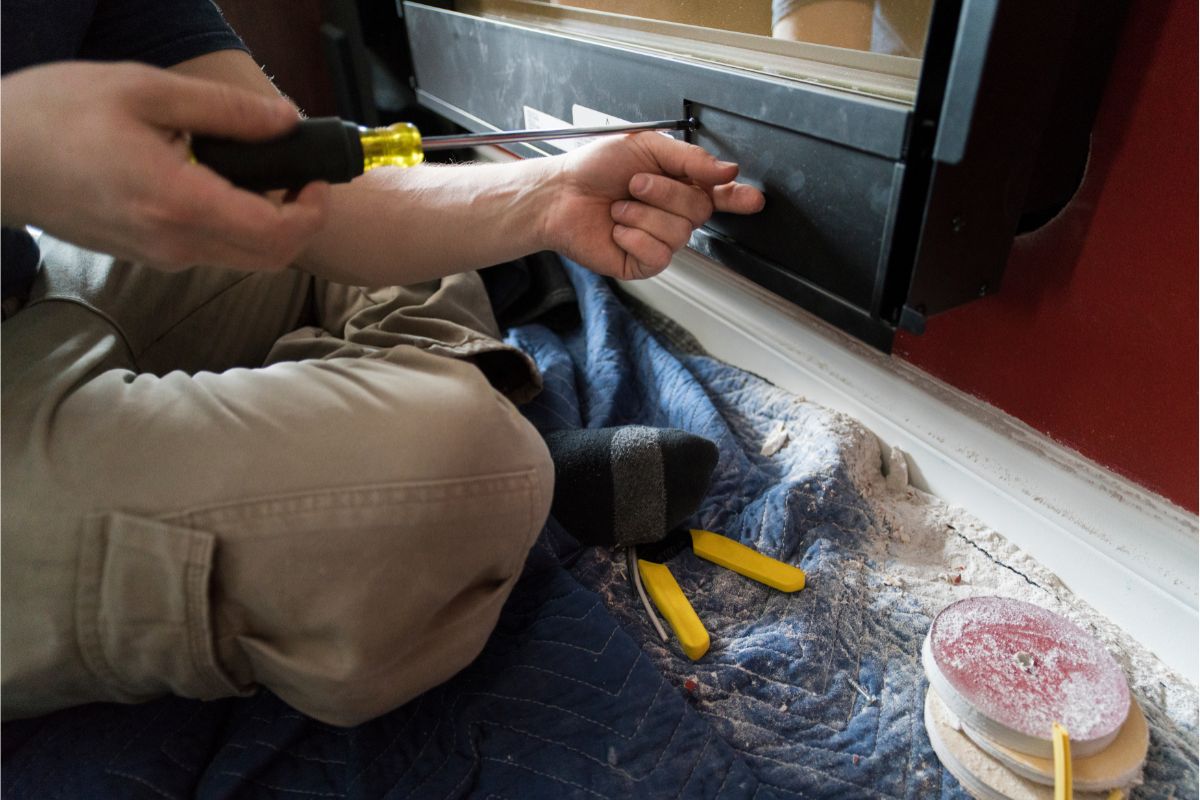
(331, 149)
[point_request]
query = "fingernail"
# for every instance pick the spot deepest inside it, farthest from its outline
(639, 184)
(622, 207)
(726, 164)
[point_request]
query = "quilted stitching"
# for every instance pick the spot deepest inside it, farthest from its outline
(810, 695)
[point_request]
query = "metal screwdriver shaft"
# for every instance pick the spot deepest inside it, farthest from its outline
(513, 137)
(333, 150)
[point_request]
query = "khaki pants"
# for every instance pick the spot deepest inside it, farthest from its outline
(194, 505)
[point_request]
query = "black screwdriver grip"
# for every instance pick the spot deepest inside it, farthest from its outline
(321, 149)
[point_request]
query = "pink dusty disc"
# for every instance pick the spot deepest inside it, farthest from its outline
(1014, 669)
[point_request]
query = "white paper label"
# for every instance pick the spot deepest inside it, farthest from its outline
(541, 121)
(581, 117)
(585, 117)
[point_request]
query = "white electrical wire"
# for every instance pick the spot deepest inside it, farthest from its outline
(631, 562)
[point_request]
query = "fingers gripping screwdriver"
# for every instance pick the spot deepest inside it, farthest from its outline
(331, 149)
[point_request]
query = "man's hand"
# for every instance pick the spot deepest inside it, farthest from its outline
(96, 154)
(625, 205)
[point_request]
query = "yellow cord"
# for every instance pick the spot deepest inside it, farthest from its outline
(1062, 763)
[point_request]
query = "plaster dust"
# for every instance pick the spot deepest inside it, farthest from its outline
(1066, 676)
(882, 559)
(1120, 764)
(980, 773)
(775, 441)
(939, 554)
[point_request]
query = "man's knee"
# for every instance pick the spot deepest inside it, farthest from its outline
(378, 670)
(397, 598)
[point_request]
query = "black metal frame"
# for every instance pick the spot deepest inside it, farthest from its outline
(878, 213)
(1002, 113)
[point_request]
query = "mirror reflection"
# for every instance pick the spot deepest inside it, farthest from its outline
(891, 27)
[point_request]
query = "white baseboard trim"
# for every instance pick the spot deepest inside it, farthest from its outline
(1131, 554)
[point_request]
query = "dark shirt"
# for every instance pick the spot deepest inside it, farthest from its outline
(157, 32)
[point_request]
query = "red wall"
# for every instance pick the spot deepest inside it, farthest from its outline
(1092, 339)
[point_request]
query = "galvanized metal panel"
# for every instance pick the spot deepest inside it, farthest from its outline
(491, 69)
(826, 161)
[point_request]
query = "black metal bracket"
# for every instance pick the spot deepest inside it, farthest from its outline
(878, 215)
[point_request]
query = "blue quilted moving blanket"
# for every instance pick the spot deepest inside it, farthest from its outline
(815, 694)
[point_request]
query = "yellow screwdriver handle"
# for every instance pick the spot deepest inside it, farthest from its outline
(669, 600)
(397, 145)
(333, 150)
(322, 149)
(727, 553)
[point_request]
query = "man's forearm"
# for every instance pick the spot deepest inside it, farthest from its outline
(397, 225)
(619, 206)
